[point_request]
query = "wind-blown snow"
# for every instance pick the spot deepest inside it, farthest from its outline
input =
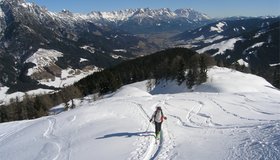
(232, 116)
(222, 46)
(42, 58)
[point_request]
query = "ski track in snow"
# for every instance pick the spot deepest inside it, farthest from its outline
(51, 150)
(231, 125)
(236, 115)
(5, 137)
(259, 142)
(147, 147)
(56, 147)
(255, 146)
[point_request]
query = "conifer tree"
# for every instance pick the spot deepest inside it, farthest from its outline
(276, 77)
(181, 72)
(190, 79)
(202, 77)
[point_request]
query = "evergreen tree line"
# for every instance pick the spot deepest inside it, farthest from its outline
(169, 64)
(31, 107)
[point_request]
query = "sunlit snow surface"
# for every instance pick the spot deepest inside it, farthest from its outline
(231, 116)
(221, 46)
(42, 58)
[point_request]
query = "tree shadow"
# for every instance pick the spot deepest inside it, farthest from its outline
(127, 134)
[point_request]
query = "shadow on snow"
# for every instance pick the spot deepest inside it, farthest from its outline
(127, 135)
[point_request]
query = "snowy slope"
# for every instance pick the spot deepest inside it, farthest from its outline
(43, 58)
(216, 121)
(222, 46)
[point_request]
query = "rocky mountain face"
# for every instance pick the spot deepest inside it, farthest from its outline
(28, 31)
(145, 20)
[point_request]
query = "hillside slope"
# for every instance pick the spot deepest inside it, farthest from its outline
(30, 33)
(216, 121)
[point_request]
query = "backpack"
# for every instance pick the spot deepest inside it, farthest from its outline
(158, 117)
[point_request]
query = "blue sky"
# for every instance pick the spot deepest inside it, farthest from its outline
(214, 8)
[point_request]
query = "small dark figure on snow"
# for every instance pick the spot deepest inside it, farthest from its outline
(158, 118)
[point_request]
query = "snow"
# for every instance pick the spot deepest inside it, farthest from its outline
(129, 91)
(88, 48)
(222, 46)
(120, 50)
(26, 5)
(199, 38)
(3, 91)
(218, 28)
(213, 39)
(68, 77)
(273, 65)
(1, 13)
(42, 58)
(257, 35)
(5, 98)
(231, 116)
(259, 44)
(116, 56)
(187, 46)
(142, 13)
(242, 62)
(230, 81)
(83, 60)
(236, 29)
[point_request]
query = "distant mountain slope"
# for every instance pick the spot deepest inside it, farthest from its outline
(27, 29)
(225, 29)
(253, 42)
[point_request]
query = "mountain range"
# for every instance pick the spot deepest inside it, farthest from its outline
(145, 20)
(42, 49)
(65, 42)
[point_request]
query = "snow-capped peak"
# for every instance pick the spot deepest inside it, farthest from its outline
(161, 13)
(191, 14)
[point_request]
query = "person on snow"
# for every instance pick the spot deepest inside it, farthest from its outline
(158, 118)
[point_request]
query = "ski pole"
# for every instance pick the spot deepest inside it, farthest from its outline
(148, 127)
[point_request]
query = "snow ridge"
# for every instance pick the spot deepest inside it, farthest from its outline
(163, 13)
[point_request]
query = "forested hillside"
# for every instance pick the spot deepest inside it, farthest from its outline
(169, 64)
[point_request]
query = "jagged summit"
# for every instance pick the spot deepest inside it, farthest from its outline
(148, 13)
